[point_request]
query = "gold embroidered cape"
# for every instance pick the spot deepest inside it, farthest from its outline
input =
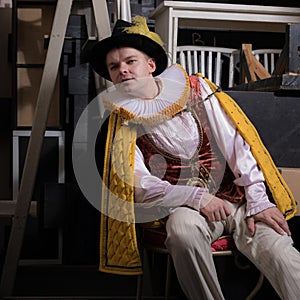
(119, 252)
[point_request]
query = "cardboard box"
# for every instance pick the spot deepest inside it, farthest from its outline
(292, 178)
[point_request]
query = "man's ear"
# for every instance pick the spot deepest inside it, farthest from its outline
(151, 64)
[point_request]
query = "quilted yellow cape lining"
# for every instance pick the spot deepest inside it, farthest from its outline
(119, 253)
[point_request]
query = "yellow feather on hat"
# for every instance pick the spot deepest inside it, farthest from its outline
(139, 26)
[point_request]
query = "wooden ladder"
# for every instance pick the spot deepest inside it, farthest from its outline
(20, 209)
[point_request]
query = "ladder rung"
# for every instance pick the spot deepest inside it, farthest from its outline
(7, 208)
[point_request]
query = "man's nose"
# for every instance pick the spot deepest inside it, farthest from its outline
(123, 68)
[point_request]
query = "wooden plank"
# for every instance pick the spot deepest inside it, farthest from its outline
(102, 19)
(253, 68)
(47, 86)
(285, 82)
(259, 69)
(104, 31)
(290, 82)
(292, 178)
(293, 42)
(247, 51)
(269, 84)
(7, 208)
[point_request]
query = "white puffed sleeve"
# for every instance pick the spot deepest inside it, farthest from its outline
(152, 190)
(237, 154)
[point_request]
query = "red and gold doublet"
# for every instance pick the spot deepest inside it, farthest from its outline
(207, 167)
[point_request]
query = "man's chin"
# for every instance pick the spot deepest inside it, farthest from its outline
(129, 87)
(134, 88)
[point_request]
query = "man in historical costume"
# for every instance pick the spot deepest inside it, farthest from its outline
(184, 149)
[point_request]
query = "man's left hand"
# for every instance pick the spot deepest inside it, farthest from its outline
(272, 217)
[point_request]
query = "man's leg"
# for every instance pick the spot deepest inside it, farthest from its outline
(272, 253)
(189, 243)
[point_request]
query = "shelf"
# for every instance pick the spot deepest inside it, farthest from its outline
(170, 15)
(280, 83)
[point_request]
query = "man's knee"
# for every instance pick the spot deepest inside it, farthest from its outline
(186, 230)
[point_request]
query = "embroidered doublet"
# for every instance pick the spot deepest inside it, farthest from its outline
(206, 168)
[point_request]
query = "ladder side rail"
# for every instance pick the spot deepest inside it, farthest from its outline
(46, 90)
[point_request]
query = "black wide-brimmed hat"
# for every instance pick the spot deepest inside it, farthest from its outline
(136, 35)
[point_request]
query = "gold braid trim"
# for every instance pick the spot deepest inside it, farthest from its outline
(281, 193)
(119, 253)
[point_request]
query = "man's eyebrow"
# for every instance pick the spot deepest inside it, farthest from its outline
(130, 57)
(126, 58)
(112, 64)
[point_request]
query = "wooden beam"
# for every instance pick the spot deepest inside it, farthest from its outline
(101, 19)
(259, 69)
(253, 68)
(247, 53)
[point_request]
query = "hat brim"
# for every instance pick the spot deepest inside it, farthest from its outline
(137, 41)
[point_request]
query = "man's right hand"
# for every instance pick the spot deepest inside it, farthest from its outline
(213, 208)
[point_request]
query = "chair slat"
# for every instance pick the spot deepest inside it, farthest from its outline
(202, 66)
(218, 67)
(266, 62)
(208, 61)
(209, 64)
(195, 70)
(189, 62)
(267, 57)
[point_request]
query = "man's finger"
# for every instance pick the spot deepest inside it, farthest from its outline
(251, 225)
(282, 223)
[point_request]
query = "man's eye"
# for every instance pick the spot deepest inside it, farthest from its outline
(131, 61)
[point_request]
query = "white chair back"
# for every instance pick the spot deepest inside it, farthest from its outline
(209, 61)
(267, 57)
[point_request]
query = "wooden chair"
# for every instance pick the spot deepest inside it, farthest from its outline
(153, 240)
(267, 57)
(212, 62)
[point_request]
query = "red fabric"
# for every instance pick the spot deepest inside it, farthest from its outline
(222, 244)
(155, 237)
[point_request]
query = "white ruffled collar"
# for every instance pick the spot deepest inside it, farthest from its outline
(172, 99)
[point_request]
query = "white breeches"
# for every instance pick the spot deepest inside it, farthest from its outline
(189, 238)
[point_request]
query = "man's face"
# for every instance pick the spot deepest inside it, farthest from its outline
(129, 68)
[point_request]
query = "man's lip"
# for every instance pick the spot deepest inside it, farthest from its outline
(126, 79)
